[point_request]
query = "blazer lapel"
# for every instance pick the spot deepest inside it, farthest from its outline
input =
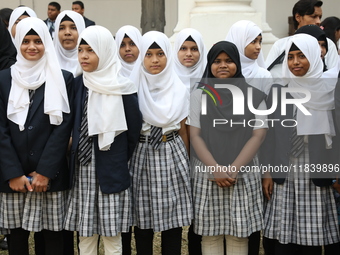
(37, 100)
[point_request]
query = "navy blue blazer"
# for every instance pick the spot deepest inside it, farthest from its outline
(111, 165)
(275, 150)
(88, 22)
(40, 147)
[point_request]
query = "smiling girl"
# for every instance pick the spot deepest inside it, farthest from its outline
(300, 213)
(36, 122)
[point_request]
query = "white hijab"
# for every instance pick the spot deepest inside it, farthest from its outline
(30, 75)
(241, 34)
(106, 85)
(68, 59)
(321, 86)
(134, 34)
(163, 98)
(196, 71)
(17, 12)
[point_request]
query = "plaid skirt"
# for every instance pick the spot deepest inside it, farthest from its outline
(161, 191)
(300, 212)
(235, 211)
(92, 212)
(33, 211)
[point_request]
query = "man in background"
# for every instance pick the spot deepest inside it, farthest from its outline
(78, 6)
(53, 11)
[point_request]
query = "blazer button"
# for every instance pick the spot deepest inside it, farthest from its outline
(31, 153)
(30, 127)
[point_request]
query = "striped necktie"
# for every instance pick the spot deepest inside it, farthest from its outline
(297, 142)
(85, 141)
(155, 137)
(31, 95)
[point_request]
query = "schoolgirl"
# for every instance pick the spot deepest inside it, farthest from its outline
(128, 39)
(160, 166)
(105, 132)
(36, 97)
(189, 56)
(300, 214)
(247, 37)
(230, 207)
(69, 25)
(17, 15)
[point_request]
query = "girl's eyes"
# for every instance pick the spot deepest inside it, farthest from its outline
(161, 54)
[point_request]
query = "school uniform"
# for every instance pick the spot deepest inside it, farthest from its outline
(240, 205)
(161, 189)
(302, 210)
(35, 138)
(106, 105)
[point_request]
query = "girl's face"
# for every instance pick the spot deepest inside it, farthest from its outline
(87, 58)
(128, 50)
(298, 64)
(223, 66)
(155, 61)
(188, 54)
(32, 48)
(253, 49)
(68, 35)
(323, 48)
(14, 27)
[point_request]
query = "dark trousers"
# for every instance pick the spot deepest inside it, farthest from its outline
(126, 242)
(194, 242)
(171, 241)
(68, 241)
(53, 242)
(254, 243)
(273, 247)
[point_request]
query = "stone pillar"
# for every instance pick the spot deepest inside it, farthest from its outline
(213, 18)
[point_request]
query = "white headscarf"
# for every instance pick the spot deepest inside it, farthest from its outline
(134, 34)
(106, 85)
(68, 59)
(196, 71)
(242, 33)
(17, 12)
(163, 98)
(30, 75)
(321, 86)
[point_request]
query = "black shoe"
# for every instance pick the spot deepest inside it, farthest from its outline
(3, 245)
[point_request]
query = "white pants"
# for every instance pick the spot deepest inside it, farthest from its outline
(89, 245)
(213, 245)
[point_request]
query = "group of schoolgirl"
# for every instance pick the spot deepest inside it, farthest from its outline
(128, 156)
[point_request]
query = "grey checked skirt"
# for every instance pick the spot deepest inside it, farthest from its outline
(33, 211)
(300, 212)
(161, 189)
(235, 211)
(92, 212)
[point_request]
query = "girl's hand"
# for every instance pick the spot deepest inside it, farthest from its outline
(20, 184)
(40, 182)
(267, 187)
(223, 179)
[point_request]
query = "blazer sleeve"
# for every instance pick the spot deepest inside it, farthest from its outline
(56, 147)
(134, 121)
(10, 166)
